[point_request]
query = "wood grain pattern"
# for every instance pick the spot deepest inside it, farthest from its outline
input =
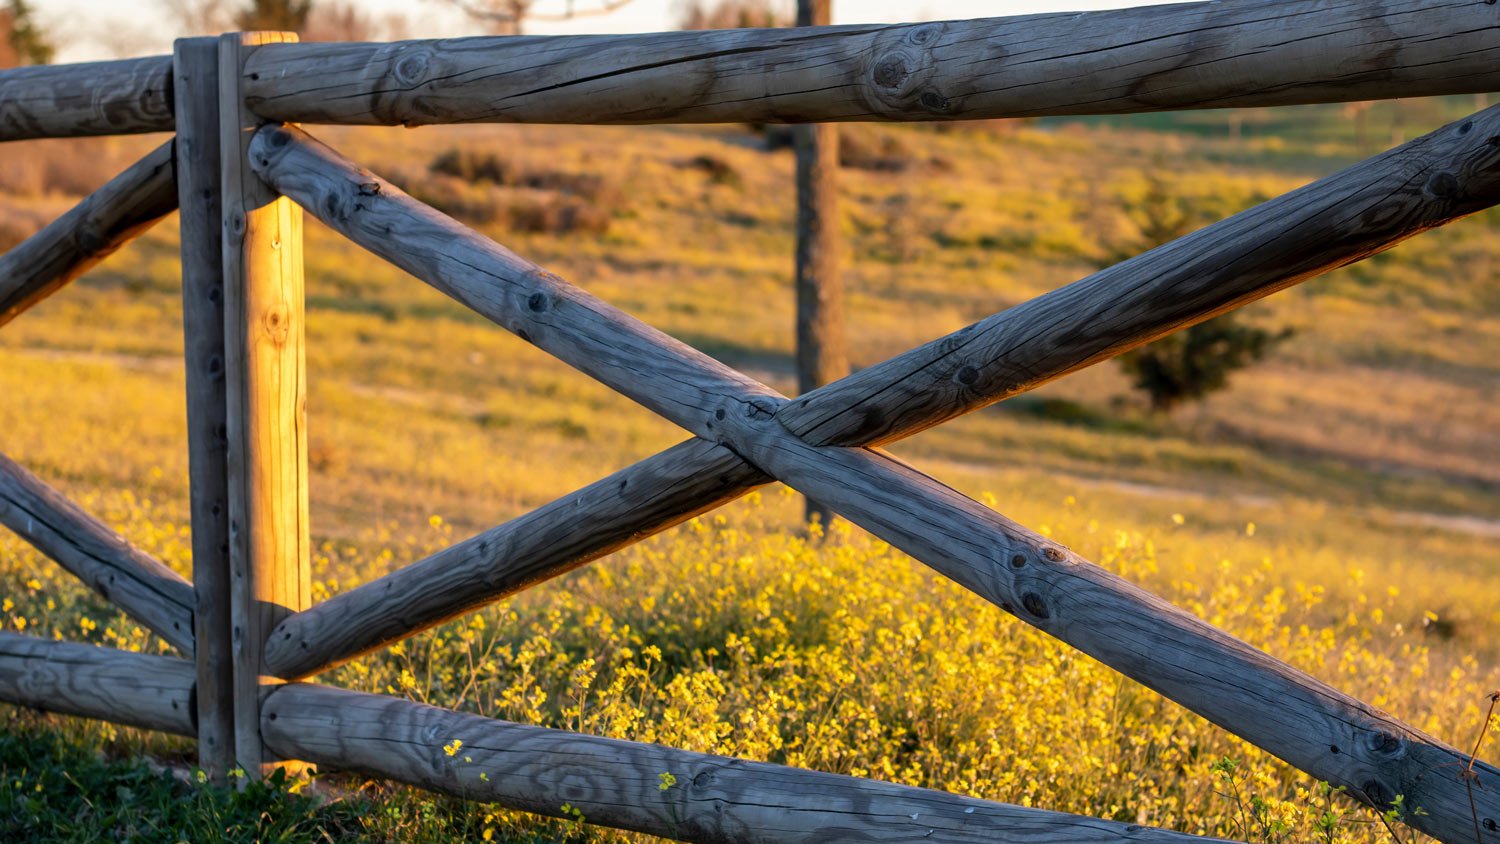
(141, 586)
(266, 395)
(1197, 55)
(196, 88)
(626, 507)
(715, 800)
(89, 232)
(94, 98)
(665, 375)
(1300, 719)
(152, 692)
(1335, 221)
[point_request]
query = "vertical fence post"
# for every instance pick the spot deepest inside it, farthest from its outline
(822, 348)
(266, 372)
(196, 89)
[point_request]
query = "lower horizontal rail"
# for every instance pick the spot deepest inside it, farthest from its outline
(647, 788)
(134, 581)
(138, 690)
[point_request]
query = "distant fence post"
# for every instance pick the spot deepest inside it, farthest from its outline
(266, 396)
(822, 343)
(195, 70)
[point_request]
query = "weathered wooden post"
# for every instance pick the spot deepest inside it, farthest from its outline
(822, 348)
(196, 90)
(266, 394)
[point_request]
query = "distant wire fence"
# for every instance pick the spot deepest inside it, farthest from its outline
(247, 630)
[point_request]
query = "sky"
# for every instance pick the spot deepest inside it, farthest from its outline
(101, 29)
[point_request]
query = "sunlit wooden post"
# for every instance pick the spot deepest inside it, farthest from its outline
(266, 370)
(822, 346)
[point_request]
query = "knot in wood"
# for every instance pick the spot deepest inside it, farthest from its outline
(759, 410)
(901, 70)
(410, 70)
(1443, 185)
(91, 238)
(924, 34)
(1035, 605)
(1386, 744)
(277, 323)
(1377, 794)
(891, 73)
(276, 137)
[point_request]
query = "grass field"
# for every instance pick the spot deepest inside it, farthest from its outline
(1338, 506)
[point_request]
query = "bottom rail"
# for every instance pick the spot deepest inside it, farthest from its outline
(642, 787)
(138, 690)
(629, 785)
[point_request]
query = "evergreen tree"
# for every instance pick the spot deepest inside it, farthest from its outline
(275, 15)
(28, 44)
(1193, 362)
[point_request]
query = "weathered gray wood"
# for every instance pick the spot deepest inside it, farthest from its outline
(1300, 719)
(196, 88)
(822, 347)
(89, 232)
(618, 783)
(141, 586)
(95, 98)
(153, 692)
(266, 396)
(651, 496)
(638, 361)
(1200, 55)
(1335, 221)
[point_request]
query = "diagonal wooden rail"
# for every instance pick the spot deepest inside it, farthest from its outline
(1442, 176)
(88, 233)
(140, 585)
(1379, 203)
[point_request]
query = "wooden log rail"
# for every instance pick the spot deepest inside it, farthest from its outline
(711, 799)
(1447, 174)
(1197, 55)
(1224, 54)
(88, 233)
(144, 588)
(140, 690)
(95, 98)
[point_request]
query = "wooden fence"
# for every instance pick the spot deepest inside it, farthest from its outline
(246, 630)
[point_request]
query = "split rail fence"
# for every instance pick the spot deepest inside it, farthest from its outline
(242, 173)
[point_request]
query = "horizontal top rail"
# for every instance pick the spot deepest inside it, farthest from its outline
(1158, 58)
(1229, 53)
(95, 98)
